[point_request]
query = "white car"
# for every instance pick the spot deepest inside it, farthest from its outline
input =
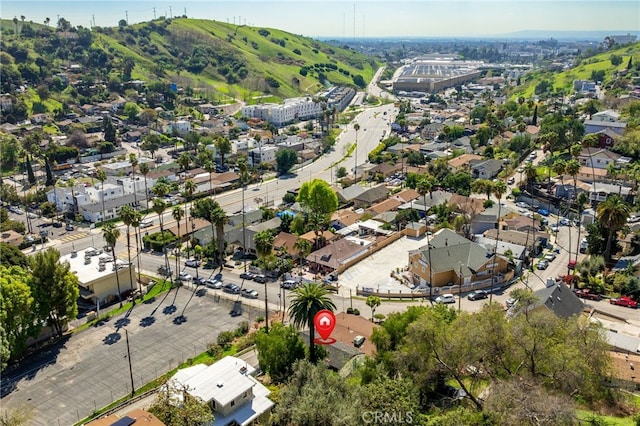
(185, 277)
(192, 263)
(446, 298)
(565, 222)
(554, 227)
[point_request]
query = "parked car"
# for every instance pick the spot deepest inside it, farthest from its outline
(624, 301)
(249, 293)
(164, 271)
(289, 284)
(446, 298)
(192, 263)
(199, 280)
(260, 278)
(543, 212)
(511, 180)
(565, 222)
(231, 288)
(57, 224)
(511, 302)
(246, 276)
(554, 227)
(185, 277)
(16, 210)
(550, 257)
(585, 293)
(571, 264)
(542, 265)
(477, 295)
(69, 227)
(213, 283)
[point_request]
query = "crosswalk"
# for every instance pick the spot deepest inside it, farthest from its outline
(73, 237)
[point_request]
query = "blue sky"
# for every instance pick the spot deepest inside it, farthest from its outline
(372, 18)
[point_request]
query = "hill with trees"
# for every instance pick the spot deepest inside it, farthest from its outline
(214, 60)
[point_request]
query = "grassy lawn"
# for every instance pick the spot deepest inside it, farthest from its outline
(589, 416)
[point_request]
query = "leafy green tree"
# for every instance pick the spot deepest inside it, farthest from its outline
(373, 302)
(319, 201)
(151, 143)
(109, 129)
(341, 172)
(31, 177)
(278, 350)
(131, 110)
(312, 389)
(54, 288)
(285, 160)
(11, 255)
(17, 317)
(191, 411)
(210, 210)
(307, 301)
(223, 146)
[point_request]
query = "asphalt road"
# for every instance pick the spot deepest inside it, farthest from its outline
(90, 369)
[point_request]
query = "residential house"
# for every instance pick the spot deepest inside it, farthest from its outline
(600, 158)
(120, 168)
(293, 109)
(229, 388)
(263, 154)
(387, 205)
(371, 196)
(608, 115)
(414, 229)
(246, 238)
(487, 169)
(596, 126)
(186, 228)
(97, 275)
(40, 118)
(533, 241)
(451, 260)
(344, 217)
(181, 127)
(93, 212)
(564, 188)
(384, 169)
(406, 195)
(286, 242)
(591, 174)
(462, 162)
(348, 195)
(335, 256)
(600, 191)
(513, 252)
(516, 222)
(558, 299)
(607, 138)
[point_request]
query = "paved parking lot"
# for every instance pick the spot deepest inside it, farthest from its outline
(90, 369)
(375, 270)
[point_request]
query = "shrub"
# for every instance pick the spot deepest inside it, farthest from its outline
(214, 350)
(225, 338)
(259, 319)
(245, 341)
(356, 311)
(243, 328)
(350, 310)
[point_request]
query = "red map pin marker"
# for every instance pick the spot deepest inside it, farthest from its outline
(324, 322)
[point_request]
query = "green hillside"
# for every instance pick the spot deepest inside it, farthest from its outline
(583, 71)
(213, 58)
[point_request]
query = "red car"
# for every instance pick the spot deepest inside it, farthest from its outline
(585, 293)
(624, 301)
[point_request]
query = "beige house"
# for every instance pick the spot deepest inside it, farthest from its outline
(97, 277)
(455, 263)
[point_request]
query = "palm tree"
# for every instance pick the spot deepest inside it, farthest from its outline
(304, 248)
(219, 219)
(127, 214)
(135, 222)
(572, 168)
(307, 301)
(184, 160)
(159, 206)
(111, 234)
(530, 172)
(210, 167)
(144, 171)
(613, 214)
(356, 127)
(559, 168)
(424, 187)
(134, 163)
(178, 214)
(263, 242)
(499, 189)
(581, 201)
(101, 175)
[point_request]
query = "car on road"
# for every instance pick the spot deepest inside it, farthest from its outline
(199, 280)
(69, 227)
(585, 293)
(550, 257)
(246, 276)
(446, 298)
(289, 284)
(213, 283)
(477, 295)
(511, 180)
(249, 293)
(231, 288)
(624, 301)
(571, 264)
(185, 277)
(260, 278)
(16, 210)
(164, 271)
(519, 170)
(542, 265)
(554, 227)
(57, 224)
(522, 205)
(192, 263)
(32, 215)
(543, 212)
(564, 222)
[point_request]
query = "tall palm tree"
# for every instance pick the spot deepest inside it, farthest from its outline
(307, 301)
(178, 214)
(264, 246)
(111, 234)
(159, 206)
(356, 127)
(573, 168)
(136, 218)
(581, 201)
(423, 187)
(613, 214)
(559, 167)
(530, 172)
(303, 247)
(144, 171)
(101, 175)
(219, 219)
(499, 189)
(134, 163)
(127, 214)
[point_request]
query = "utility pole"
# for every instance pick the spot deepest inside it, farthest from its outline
(266, 309)
(170, 12)
(126, 334)
(154, 13)
(126, 14)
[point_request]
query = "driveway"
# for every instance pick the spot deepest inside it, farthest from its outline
(89, 370)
